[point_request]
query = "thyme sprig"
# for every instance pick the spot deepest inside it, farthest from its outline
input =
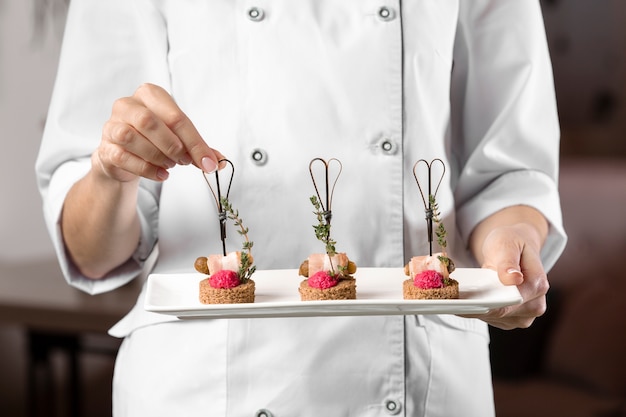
(441, 234)
(322, 233)
(246, 269)
(322, 229)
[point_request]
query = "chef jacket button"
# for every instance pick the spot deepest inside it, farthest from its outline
(386, 14)
(388, 146)
(263, 413)
(259, 156)
(393, 407)
(256, 14)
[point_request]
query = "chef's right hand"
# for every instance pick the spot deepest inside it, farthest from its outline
(146, 135)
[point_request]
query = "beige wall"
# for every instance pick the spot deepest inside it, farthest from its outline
(28, 60)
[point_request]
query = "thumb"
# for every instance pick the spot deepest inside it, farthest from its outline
(510, 273)
(505, 259)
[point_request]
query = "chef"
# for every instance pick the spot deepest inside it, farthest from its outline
(150, 94)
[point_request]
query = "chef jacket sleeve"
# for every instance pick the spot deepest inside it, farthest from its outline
(505, 131)
(109, 49)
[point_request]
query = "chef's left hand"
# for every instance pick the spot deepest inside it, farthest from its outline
(510, 243)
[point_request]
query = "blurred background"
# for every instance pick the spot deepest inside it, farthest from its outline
(55, 356)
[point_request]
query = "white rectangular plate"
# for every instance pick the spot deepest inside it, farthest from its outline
(379, 292)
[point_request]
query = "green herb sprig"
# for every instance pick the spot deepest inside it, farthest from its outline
(322, 233)
(246, 269)
(441, 234)
(322, 229)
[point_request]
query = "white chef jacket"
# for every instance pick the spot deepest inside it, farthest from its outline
(377, 84)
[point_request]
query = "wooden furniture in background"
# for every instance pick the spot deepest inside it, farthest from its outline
(57, 317)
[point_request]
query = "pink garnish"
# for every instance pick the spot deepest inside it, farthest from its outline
(224, 279)
(428, 279)
(322, 280)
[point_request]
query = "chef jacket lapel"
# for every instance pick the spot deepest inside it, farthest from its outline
(297, 108)
(323, 79)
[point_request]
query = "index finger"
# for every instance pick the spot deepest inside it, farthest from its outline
(161, 103)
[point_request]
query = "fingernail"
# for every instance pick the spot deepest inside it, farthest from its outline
(514, 271)
(185, 160)
(162, 174)
(208, 165)
(169, 163)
